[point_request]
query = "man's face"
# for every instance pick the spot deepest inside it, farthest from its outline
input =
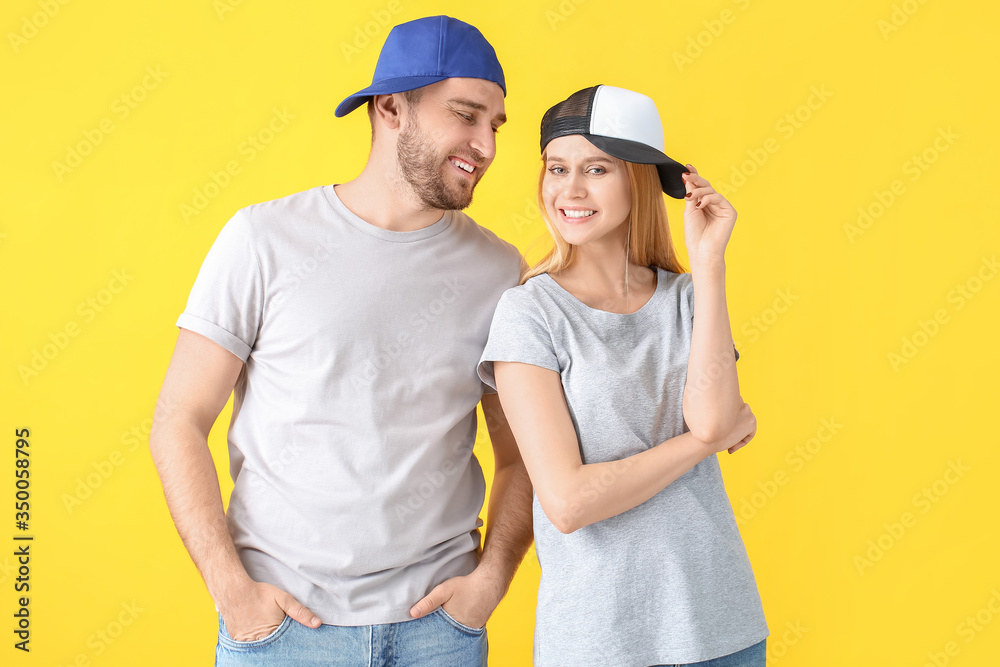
(448, 140)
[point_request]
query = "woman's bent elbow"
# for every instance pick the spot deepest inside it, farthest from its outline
(715, 428)
(707, 433)
(564, 515)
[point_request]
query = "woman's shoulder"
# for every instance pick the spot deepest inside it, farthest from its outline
(527, 300)
(530, 290)
(673, 280)
(678, 289)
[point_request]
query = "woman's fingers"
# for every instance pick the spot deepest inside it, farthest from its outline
(742, 443)
(694, 194)
(711, 198)
(702, 197)
(700, 192)
(695, 179)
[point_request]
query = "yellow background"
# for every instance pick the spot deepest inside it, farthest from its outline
(817, 308)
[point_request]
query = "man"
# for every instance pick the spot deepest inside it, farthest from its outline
(348, 321)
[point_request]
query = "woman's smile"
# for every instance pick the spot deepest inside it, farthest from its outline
(575, 215)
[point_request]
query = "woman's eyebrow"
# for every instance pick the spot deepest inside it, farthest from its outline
(595, 158)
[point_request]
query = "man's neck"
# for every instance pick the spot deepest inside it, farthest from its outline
(380, 198)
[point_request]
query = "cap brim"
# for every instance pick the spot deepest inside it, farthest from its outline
(389, 86)
(671, 180)
(632, 151)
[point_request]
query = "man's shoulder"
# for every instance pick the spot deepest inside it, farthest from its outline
(297, 201)
(496, 260)
(264, 221)
(486, 238)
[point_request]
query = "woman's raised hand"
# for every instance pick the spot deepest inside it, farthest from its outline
(708, 219)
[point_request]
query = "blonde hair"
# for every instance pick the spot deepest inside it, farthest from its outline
(649, 242)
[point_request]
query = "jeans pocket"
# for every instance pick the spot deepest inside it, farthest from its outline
(461, 626)
(275, 634)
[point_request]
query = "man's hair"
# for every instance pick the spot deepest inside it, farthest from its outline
(412, 97)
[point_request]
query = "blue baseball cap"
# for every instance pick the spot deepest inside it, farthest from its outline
(425, 51)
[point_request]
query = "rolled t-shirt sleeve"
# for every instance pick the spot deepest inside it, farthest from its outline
(226, 303)
(518, 333)
(689, 296)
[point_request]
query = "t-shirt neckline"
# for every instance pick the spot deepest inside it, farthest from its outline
(607, 315)
(392, 236)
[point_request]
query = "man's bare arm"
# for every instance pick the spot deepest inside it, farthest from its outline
(471, 599)
(199, 380)
(508, 524)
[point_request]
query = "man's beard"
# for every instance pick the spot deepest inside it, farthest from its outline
(421, 167)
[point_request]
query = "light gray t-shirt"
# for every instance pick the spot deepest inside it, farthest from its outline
(668, 581)
(354, 418)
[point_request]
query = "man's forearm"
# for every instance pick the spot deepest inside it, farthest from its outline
(191, 487)
(508, 524)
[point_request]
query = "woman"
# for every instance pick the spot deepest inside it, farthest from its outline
(603, 358)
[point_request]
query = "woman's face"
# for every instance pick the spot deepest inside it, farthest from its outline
(585, 191)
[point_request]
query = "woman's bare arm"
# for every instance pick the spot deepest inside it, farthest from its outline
(572, 494)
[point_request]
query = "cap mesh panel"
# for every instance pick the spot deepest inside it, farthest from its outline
(571, 116)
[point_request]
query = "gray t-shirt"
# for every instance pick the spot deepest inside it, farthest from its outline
(667, 581)
(354, 419)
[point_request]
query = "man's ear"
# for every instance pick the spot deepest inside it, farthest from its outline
(387, 110)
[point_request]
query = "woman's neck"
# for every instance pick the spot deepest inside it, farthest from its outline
(599, 281)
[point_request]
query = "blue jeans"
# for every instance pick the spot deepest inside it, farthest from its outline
(752, 656)
(435, 640)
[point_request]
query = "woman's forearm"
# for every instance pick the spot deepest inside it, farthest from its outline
(712, 393)
(574, 494)
(598, 491)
